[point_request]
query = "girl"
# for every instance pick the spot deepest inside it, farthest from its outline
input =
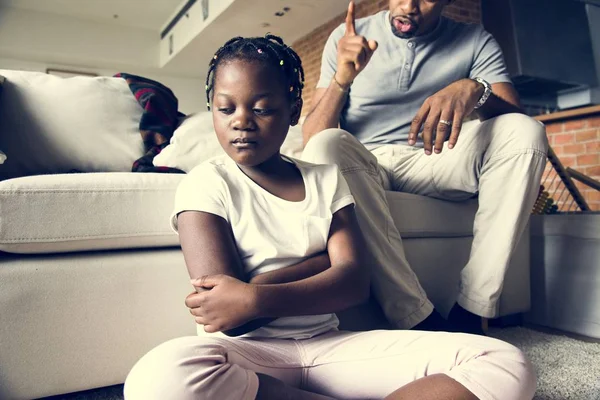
(274, 250)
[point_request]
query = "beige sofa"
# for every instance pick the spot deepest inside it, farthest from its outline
(92, 277)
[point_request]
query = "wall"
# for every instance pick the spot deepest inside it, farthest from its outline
(35, 41)
(310, 47)
(189, 92)
(53, 38)
(576, 142)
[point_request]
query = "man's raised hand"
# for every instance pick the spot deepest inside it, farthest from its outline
(354, 52)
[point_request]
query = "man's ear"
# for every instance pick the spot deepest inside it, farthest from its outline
(296, 112)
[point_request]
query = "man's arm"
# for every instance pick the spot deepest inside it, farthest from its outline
(326, 110)
(353, 54)
(453, 104)
(441, 115)
(503, 100)
(488, 64)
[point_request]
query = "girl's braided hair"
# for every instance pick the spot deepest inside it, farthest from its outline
(270, 50)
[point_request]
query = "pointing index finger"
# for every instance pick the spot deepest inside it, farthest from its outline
(350, 31)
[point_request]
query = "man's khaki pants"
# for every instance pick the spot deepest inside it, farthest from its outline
(500, 160)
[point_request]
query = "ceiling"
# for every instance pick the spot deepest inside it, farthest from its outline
(254, 18)
(155, 14)
(145, 14)
(241, 17)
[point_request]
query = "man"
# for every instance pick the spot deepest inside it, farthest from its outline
(399, 85)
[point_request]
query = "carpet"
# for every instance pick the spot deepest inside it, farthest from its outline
(567, 368)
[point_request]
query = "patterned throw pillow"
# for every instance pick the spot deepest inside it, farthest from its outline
(159, 120)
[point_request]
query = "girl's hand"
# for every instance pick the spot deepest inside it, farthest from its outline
(225, 302)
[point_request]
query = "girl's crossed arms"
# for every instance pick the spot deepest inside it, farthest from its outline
(324, 283)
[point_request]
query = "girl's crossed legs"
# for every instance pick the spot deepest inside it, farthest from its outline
(342, 365)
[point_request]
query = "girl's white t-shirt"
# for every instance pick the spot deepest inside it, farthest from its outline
(270, 232)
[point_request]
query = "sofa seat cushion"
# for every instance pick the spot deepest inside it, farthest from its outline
(122, 210)
(419, 216)
(90, 211)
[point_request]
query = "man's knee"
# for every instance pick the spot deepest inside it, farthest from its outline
(521, 132)
(329, 146)
(533, 133)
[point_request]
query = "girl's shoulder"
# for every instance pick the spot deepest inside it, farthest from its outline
(216, 166)
(214, 174)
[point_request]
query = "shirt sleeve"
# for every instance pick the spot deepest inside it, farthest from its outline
(488, 62)
(203, 189)
(342, 196)
(329, 58)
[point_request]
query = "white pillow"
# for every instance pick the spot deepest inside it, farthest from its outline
(195, 141)
(50, 124)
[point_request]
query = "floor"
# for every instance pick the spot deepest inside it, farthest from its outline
(568, 368)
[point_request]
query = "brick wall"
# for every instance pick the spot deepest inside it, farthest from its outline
(576, 142)
(310, 47)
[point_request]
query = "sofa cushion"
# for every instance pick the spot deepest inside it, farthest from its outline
(94, 211)
(50, 124)
(101, 211)
(195, 141)
(419, 216)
